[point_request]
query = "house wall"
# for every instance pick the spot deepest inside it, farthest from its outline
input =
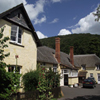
(73, 80)
(92, 70)
(27, 52)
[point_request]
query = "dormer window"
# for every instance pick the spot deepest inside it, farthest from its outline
(83, 67)
(16, 34)
(98, 67)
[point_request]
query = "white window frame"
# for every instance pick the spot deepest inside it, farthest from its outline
(17, 33)
(54, 68)
(15, 69)
(91, 74)
(98, 67)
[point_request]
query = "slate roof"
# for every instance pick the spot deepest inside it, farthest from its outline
(47, 55)
(29, 25)
(90, 60)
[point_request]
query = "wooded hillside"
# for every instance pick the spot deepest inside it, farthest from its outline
(83, 43)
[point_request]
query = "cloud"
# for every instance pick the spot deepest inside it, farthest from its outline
(33, 10)
(7, 4)
(87, 25)
(40, 35)
(56, 1)
(39, 21)
(54, 21)
(64, 32)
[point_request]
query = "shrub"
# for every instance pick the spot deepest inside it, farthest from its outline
(7, 80)
(30, 80)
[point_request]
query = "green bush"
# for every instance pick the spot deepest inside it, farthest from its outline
(30, 80)
(7, 79)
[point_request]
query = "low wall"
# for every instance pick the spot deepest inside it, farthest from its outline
(33, 95)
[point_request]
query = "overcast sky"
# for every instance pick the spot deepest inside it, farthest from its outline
(59, 17)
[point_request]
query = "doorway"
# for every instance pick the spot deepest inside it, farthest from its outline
(66, 79)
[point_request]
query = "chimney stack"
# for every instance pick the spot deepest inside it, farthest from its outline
(71, 55)
(57, 49)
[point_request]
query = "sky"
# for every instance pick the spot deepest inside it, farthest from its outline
(59, 17)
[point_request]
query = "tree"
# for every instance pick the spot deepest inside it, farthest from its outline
(97, 13)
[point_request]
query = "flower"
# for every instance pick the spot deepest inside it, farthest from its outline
(43, 68)
(39, 82)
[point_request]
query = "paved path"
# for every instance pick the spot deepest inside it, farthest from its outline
(81, 93)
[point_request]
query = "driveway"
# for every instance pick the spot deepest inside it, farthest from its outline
(81, 93)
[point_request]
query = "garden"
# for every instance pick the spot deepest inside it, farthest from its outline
(39, 84)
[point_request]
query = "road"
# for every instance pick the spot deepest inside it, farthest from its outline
(81, 93)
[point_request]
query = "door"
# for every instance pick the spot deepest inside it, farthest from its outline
(98, 78)
(66, 79)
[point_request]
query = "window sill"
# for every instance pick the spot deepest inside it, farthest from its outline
(16, 44)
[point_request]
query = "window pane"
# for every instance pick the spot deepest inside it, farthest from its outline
(13, 38)
(18, 69)
(19, 40)
(20, 33)
(11, 69)
(13, 33)
(14, 28)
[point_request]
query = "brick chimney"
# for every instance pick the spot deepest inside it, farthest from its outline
(71, 55)
(57, 49)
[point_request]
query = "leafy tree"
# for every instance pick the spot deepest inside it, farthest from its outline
(97, 13)
(81, 43)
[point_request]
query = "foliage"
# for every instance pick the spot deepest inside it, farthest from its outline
(97, 13)
(7, 80)
(83, 43)
(43, 85)
(30, 80)
(41, 80)
(53, 78)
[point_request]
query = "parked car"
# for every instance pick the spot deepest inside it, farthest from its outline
(89, 83)
(92, 79)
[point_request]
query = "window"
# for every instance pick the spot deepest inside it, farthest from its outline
(83, 67)
(54, 67)
(42, 64)
(74, 73)
(14, 69)
(16, 34)
(91, 74)
(65, 71)
(98, 67)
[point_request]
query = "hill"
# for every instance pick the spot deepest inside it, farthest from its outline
(83, 43)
